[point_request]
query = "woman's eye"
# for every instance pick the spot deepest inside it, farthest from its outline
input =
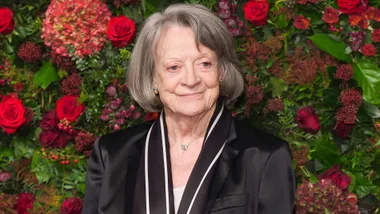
(206, 64)
(174, 68)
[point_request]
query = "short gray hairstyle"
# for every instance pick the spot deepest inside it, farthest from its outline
(209, 31)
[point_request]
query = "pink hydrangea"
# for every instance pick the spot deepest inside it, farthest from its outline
(77, 24)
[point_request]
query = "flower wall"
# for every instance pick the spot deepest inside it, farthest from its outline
(311, 69)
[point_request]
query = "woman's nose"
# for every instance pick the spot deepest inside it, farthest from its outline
(191, 78)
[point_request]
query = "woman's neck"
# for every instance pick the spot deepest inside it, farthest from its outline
(184, 129)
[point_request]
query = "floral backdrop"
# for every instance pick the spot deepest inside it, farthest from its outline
(311, 69)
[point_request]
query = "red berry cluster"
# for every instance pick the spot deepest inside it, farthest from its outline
(64, 125)
(61, 158)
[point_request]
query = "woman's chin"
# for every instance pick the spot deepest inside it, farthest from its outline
(191, 109)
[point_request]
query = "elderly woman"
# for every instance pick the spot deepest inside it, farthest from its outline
(195, 158)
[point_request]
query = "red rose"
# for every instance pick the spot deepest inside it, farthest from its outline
(338, 177)
(7, 24)
(307, 119)
(376, 35)
(330, 16)
(377, 16)
(256, 12)
(12, 114)
(301, 23)
(352, 6)
(24, 203)
(342, 130)
(120, 31)
(69, 108)
(368, 50)
(71, 206)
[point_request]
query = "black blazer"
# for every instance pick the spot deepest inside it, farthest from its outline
(253, 175)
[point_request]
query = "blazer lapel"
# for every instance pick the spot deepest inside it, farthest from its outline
(222, 169)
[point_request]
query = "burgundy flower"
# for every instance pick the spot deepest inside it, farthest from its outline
(4, 176)
(338, 177)
(376, 35)
(342, 130)
(368, 50)
(30, 52)
(330, 16)
(49, 121)
(301, 23)
(307, 119)
(24, 203)
(71, 206)
(344, 72)
(151, 116)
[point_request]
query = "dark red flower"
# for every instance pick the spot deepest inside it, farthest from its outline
(120, 31)
(347, 114)
(352, 6)
(376, 35)
(344, 72)
(49, 121)
(71, 85)
(12, 114)
(342, 130)
(338, 177)
(363, 23)
(256, 12)
(354, 19)
(368, 50)
(68, 107)
(84, 141)
(150, 116)
(29, 52)
(370, 13)
(307, 119)
(24, 203)
(301, 23)
(350, 96)
(330, 16)
(71, 206)
(4, 176)
(7, 24)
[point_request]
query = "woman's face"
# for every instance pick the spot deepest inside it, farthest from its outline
(186, 76)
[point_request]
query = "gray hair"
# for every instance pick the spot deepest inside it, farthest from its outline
(209, 31)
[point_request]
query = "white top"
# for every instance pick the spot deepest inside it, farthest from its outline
(178, 193)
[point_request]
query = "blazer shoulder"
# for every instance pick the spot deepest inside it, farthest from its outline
(116, 140)
(253, 137)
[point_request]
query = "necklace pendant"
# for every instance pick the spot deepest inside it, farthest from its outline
(184, 147)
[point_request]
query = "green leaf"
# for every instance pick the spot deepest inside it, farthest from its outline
(326, 152)
(371, 110)
(279, 86)
(46, 75)
(23, 147)
(331, 46)
(330, 97)
(363, 186)
(7, 48)
(81, 187)
(280, 22)
(353, 181)
(367, 75)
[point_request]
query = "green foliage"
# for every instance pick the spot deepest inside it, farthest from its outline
(331, 45)
(46, 75)
(367, 74)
